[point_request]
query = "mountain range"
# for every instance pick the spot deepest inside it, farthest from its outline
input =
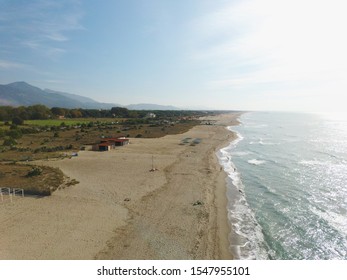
(24, 94)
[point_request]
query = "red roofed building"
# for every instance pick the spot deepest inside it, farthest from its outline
(107, 144)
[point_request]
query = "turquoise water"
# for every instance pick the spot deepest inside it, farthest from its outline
(287, 186)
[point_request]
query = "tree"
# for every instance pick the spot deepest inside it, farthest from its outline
(17, 121)
(120, 112)
(5, 113)
(75, 113)
(39, 112)
(133, 114)
(57, 111)
(21, 112)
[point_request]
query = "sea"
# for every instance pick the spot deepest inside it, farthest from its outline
(287, 186)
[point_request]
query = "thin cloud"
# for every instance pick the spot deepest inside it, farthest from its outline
(41, 25)
(57, 37)
(35, 45)
(55, 52)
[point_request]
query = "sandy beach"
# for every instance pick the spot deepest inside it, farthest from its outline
(121, 210)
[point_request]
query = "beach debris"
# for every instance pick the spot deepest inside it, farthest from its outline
(72, 182)
(197, 203)
(153, 168)
(185, 141)
(127, 199)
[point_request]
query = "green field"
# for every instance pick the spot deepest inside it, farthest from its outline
(54, 122)
(66, 121)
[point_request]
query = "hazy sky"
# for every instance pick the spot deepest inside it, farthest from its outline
(236, 54)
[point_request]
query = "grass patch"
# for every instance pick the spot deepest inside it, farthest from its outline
(55, 122)
(70, 122)
(43, 183)
(46, 142)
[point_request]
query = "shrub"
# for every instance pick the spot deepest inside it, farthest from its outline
(14, 133)
(35, 171)
(9, 141)
(17, 121)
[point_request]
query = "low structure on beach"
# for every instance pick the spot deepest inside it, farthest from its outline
(107, 144)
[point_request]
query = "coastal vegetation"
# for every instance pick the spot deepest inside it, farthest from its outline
(41, 133)
(41, 112)
(34, 180)
(37, 132)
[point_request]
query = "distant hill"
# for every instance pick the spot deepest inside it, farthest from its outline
(24, 94)
(87, 103)
(21, 93)
(79, 98)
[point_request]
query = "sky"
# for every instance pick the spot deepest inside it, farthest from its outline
(216, 54)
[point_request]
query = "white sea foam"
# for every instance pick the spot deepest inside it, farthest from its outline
(301, 173)
(247, 239)
(261, 142)
(256, 161)
(238, 138)
(250, 240)
(241, 153)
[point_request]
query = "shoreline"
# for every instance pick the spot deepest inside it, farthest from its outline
(221, 193)
(120, 210)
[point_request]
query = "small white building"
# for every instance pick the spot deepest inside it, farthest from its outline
(150, 115)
